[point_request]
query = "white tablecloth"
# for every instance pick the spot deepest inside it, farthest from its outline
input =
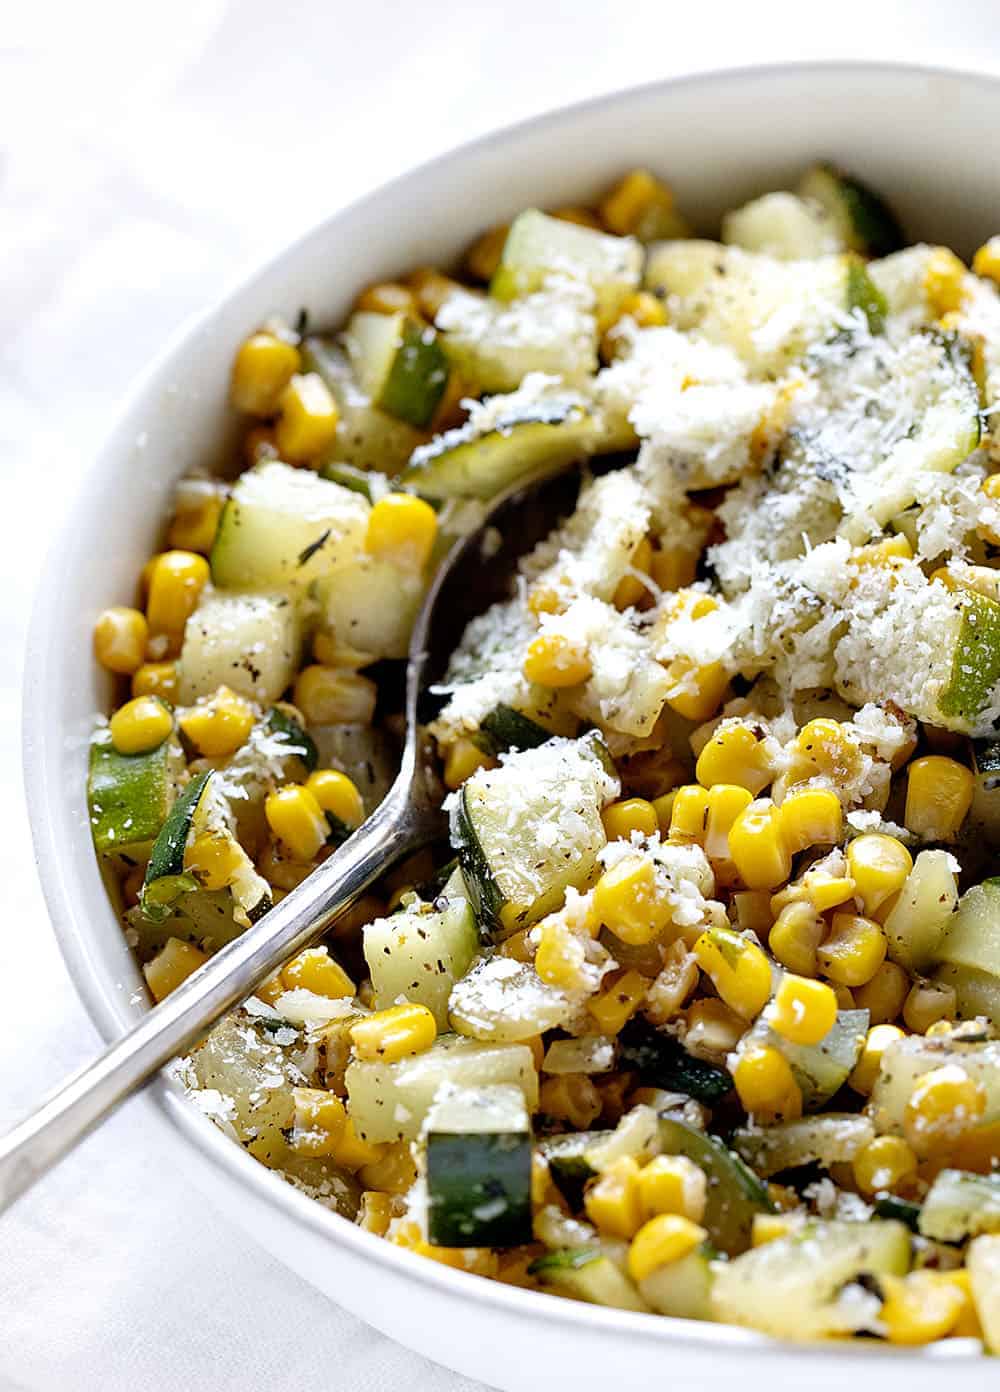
(148, 154)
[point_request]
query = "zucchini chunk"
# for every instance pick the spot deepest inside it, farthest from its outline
(683, 1288)
(793, 1287)
(506, 728)
(863, 220)
(924, 912)
(389, 1101)
(961, 1205)
(972, 938)
(983, 1262)
(784, 226)
(661, 1061)
(506, 1002)
(568, 1162)
(421, 952)
(538, 245)
(584, 1273)
(832, 1139)
(399, 364)
(284, 527)
(735, 1194)
(367, 439)
(906, 1060)
(902, 1210)
(502, 825)
(129, 795)
(249, 642)
(370, 605)
(819, 1069)
(287, 731)
(166, 878)
(479, 1168)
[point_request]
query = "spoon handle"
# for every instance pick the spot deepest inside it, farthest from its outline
(42, 1138)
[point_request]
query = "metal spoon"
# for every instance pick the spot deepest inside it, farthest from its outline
(476, 572)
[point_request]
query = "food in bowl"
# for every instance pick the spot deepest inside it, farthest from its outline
(696, 1012)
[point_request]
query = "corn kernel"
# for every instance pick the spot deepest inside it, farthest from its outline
(795, 935)
(262, 369)
(320, 1118)
(672, 984)
(561, 956)
(555, 661)
(766, 1086)
(432, 289)
(297, 820)
(631, 590)
(120, 636)
(883, 1164)
(631, 814)
(394, 1171)
(944, 280)
(215, 861)
(615, 1005)
(570, 1097)
(734, 754)
(402, 529)
(483, 256)
(803, 1011)
(938, 797)
(920, 1307)
(173, 964)
(825, 748)
(811, 817)
(580, 217)
(612, 1202)
(927, 1004)
(392, 1034)
(986, 261)
(664, 1239)
(338, 796)
(196, 520)
(140, 725)
(884, 995)
(315, 970)
(827, 891)
(887, 552)
(353, 1152)
(696, 692)
(220, 725)
(738, 969)
(726, 802)
(375, 1213)
(624, 207)
(879, 865)
(629, 901)
(853, 951)
(689, 815)
(546, 599)
(156, 679)
(176, 581)
(753, 911)
(386, 297)
(674, 567)
(944, 1104)
(711, 1027)
(869, 1062)
(308, 421)
(673, 1184)
(768, 1227)
(758, 848)
(326, 696)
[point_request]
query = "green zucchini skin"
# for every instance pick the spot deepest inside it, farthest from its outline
(506, 728)
(569, 1167)
(662, 1062)
(961, 1205)
(478, 1156)
(735, 1194)
(484, 893)
(585, 1273)
(888, 1206)
(284, 728)
(863, 294)
(165, 878)
(128, 794)
(350, 476)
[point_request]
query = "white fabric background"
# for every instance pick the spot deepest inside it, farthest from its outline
(149, 153)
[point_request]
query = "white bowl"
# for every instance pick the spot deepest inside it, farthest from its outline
(918, 135)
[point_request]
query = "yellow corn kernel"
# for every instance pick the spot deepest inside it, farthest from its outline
(308, 421)
(827, 891)
(938, 797)
(674, 567)
(156, 679)
(262, 369)
(402, 529)
(297, 820)
(320, 1118)
(765, 1085)
(696, 692)
(174, 963)
(612, 1202)
(140, 725)
(920, 1307)
(712, 1028)
(120, 636)
(884, 1163)
(689, 814)
(734, 754)
(811, 817)
(866, 1070)
(220, 725)
(878, 865)
(375, 1213)
(928, 1003)
(432, 288)
(326, 696)
(629, 901)
(944, 279)
(394, 1171)
(768, 1227)
(738, 969)
(338, 796)
(613, 1007)
(631, 814)
(328, 652)
(825, 748)
(753, 911)
(315, 970)
(624, 207)
(803, 1011)
(884, 995)
(758, 848)
(353, 1152)
(986, 261)
(555, 661)
(664, 1239)
(630, 590)
(196, 521)
(853, 951)
(726, 802)
(672, 985)
(392, 1034)
(581, 217)
(795, 935)
(176, 581)
(673, 1184)
(259, 445)
(571, 1097)
(944, 1104)
(887, 552)
(561, 956)
(386, 297)
(546, 599)
(483, 256)
(268, 991)
(215, 861)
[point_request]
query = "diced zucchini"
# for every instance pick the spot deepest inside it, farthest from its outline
(976, 992)
(971, 943)
(682, 1288)
(984, 814)
(961, 1205)
(793, 1287)
(495, 345)
(367, 438)
(924, 911)
(864, 294)
(249, 642)
(661, 1061)
(583, 1273)
(586, 1053)
(365, 753)
(983, 1261)
(831, 1139)
(569, 1166)
(505, 1001)
(420, 953)
(165, 877)
(538, 245)
(906, 1060)
(863, 220)
(398, 363)
(370, 605)
(479, 1168)
(784, 226)
(901, 1210)
(286, 730)
(284, 527)
(528, 440)
(735, 1194)
(819, 1069)
(129, 795)
(528, 830)
(506, 728)
(390, 1100)
(637, 1135)
(204, 917)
